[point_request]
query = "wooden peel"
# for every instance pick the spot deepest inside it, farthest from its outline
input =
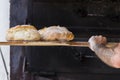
(51, 43)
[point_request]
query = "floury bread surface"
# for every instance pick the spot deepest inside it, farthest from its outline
(53, 33)
(22, 32)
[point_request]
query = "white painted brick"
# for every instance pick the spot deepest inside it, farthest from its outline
(4, 25)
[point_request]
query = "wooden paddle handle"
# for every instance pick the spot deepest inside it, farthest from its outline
(86, 44)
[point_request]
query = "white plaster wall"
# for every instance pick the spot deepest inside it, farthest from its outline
(4, 25)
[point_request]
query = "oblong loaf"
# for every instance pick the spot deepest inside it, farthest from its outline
(56, 33)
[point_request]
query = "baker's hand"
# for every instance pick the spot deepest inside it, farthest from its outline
(96, 41)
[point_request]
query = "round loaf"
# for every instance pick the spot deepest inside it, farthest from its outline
(56, 33)
(22, 32)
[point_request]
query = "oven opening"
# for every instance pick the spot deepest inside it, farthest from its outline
(84, 18)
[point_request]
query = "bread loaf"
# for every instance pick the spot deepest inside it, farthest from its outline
(56, 33)
(23, 32)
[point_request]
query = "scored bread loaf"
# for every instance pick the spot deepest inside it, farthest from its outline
(22, 32)
(56, 33)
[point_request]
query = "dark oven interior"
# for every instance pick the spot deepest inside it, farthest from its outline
(84, 18)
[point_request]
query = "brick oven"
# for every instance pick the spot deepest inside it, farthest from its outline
(84, 18)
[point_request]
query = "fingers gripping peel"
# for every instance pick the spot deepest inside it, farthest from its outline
(96, 41)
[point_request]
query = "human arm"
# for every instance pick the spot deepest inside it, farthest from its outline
(109, 55)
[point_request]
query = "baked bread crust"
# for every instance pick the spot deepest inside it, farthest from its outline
(22, 32)
(56, 33)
